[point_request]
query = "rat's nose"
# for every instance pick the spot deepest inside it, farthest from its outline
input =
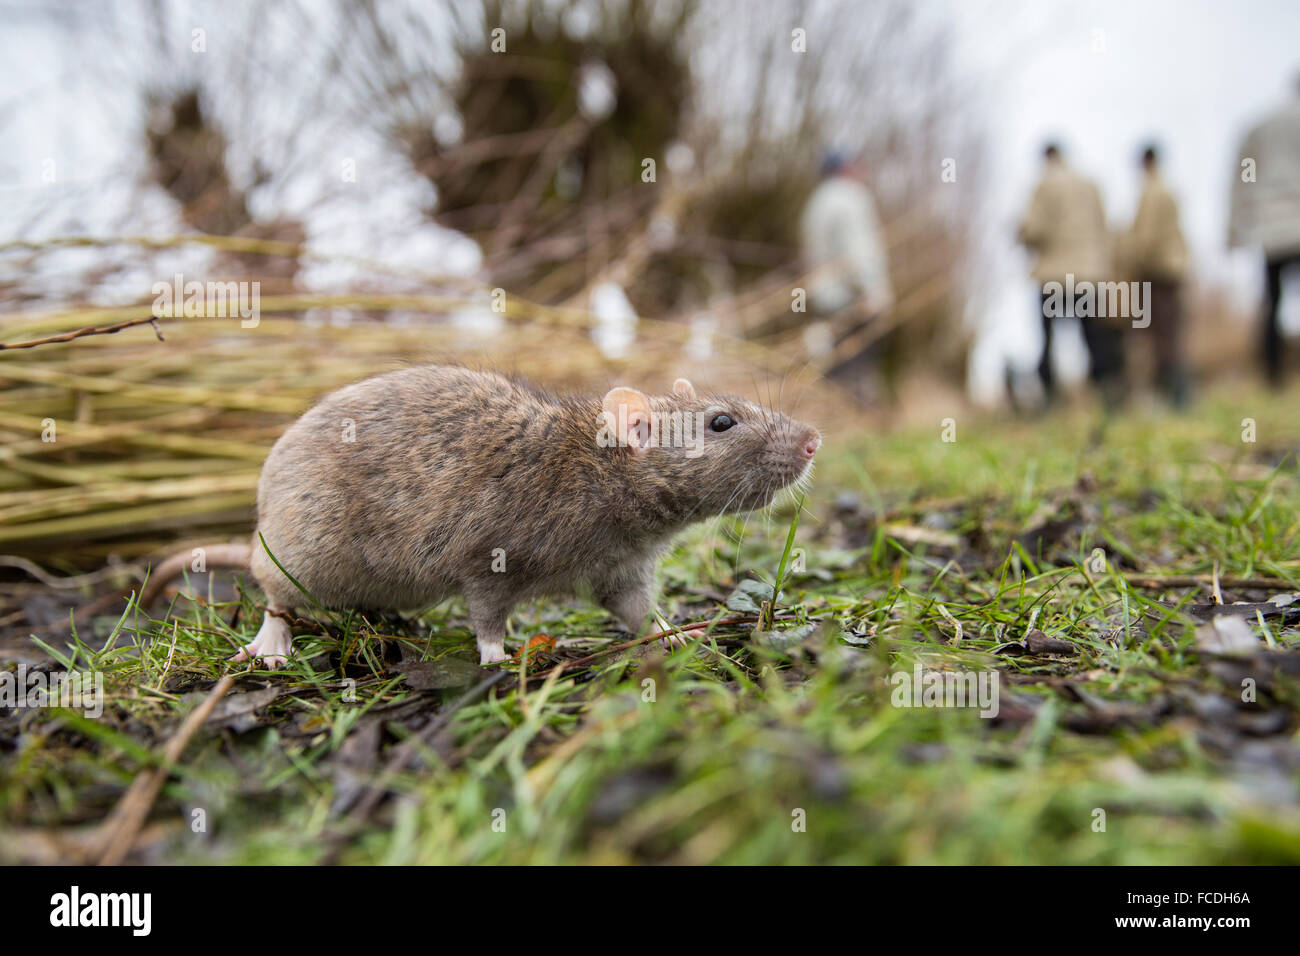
(811, 442)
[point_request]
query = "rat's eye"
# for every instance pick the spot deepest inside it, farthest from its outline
(721, 423)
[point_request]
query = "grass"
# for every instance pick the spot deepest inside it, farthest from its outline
(772, 744)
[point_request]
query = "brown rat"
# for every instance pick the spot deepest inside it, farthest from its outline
(401, 490)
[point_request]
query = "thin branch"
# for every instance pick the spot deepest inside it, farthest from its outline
(123, 826)
(1207, 580)
(83, 332)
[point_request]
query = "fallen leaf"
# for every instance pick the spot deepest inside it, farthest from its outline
(239, 712)
(540, 643)
(1227, 634)
(1040, 643)
(912, 535)
(747, 597)
(440, 674)
(783, 639)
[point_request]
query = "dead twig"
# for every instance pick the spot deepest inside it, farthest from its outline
(123, 825)
(83, 332)
(1207, 580)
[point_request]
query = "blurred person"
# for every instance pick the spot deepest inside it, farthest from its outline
(1065, 227)
(1266, 213)
(843, 246)
(1157, 254)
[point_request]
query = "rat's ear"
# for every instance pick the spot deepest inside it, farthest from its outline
(683, 388)
(627, 413)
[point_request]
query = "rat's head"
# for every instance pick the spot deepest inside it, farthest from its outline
(702, 454)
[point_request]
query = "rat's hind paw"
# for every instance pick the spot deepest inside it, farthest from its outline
(273, 644)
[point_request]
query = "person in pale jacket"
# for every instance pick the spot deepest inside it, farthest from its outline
(844, 250)
(1156, 253)
(1065, 227)
(1265, 212)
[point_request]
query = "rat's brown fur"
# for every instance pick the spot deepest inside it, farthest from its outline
(401, 490)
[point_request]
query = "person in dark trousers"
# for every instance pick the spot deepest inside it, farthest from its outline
(1266, 213)
(1065, 227)
(1157, 255)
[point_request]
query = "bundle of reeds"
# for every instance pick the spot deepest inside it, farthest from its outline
(119, 444)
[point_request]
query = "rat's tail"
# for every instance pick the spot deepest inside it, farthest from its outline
(233, 557)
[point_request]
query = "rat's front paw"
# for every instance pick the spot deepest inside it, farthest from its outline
(271, 658)
(269, 661)
(491, 653)
(273, 644)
